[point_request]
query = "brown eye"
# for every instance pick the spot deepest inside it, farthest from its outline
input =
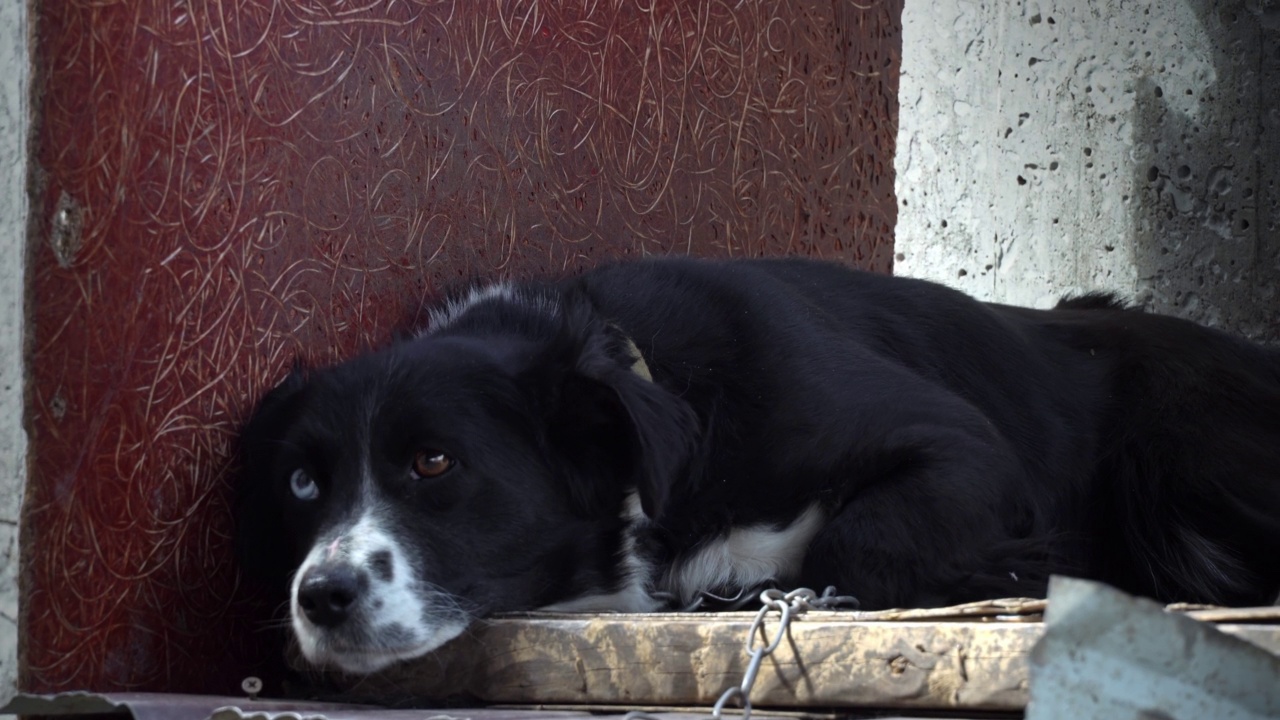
(431, 463)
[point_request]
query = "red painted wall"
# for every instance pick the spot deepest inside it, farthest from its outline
(222, 185)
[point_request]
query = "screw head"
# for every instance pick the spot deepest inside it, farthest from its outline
(251, 685)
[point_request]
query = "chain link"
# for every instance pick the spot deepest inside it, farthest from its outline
(760, 645)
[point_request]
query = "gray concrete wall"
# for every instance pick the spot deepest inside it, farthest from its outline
(1050, 147)
(14, 123)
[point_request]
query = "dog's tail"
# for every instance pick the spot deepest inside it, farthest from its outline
(1021, 567)
(1214, 544)
(1191, 506)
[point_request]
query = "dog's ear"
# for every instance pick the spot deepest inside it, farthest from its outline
(256, 509)
(664, 430)
(612, 420)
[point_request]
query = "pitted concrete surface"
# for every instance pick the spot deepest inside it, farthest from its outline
(14, 118)
(1054, 147)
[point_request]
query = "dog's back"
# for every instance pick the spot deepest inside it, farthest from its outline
(1147, 448)
(1187, 485)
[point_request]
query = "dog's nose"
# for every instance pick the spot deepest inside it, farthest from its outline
(327, 592)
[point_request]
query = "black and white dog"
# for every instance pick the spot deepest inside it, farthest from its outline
(648, 432)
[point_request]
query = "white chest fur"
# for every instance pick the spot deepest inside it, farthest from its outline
(745, 557)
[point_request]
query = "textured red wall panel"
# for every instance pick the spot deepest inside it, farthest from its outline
(223, 185)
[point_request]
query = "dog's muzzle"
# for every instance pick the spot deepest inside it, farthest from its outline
(359, 604)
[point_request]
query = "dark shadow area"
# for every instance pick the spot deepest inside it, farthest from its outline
(1207, 171)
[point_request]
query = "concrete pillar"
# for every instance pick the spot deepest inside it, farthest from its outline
(14, 123)
(1054, 147)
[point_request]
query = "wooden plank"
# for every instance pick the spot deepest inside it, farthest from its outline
(829, 660)
(1269, 615)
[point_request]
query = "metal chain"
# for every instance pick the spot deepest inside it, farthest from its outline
(760, 645)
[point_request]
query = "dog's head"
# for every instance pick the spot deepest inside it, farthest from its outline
(482, 467)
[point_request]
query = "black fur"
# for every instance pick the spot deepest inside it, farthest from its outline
(959, 450)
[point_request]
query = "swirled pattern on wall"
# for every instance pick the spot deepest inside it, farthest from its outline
(224, 185)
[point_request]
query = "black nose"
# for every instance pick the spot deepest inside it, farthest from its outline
(328, 591)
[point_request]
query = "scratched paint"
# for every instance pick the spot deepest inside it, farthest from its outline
(225, 186)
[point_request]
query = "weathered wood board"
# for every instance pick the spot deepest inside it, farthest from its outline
(830, 659)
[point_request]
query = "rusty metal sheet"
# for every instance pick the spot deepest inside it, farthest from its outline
(172, 706)
(219, 186)
(163, 706)
(236, 713)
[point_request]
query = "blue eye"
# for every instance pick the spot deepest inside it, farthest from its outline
(303, 487)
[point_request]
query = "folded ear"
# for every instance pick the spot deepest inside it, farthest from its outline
(256, 507)
(612, 421)
(664, 432)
